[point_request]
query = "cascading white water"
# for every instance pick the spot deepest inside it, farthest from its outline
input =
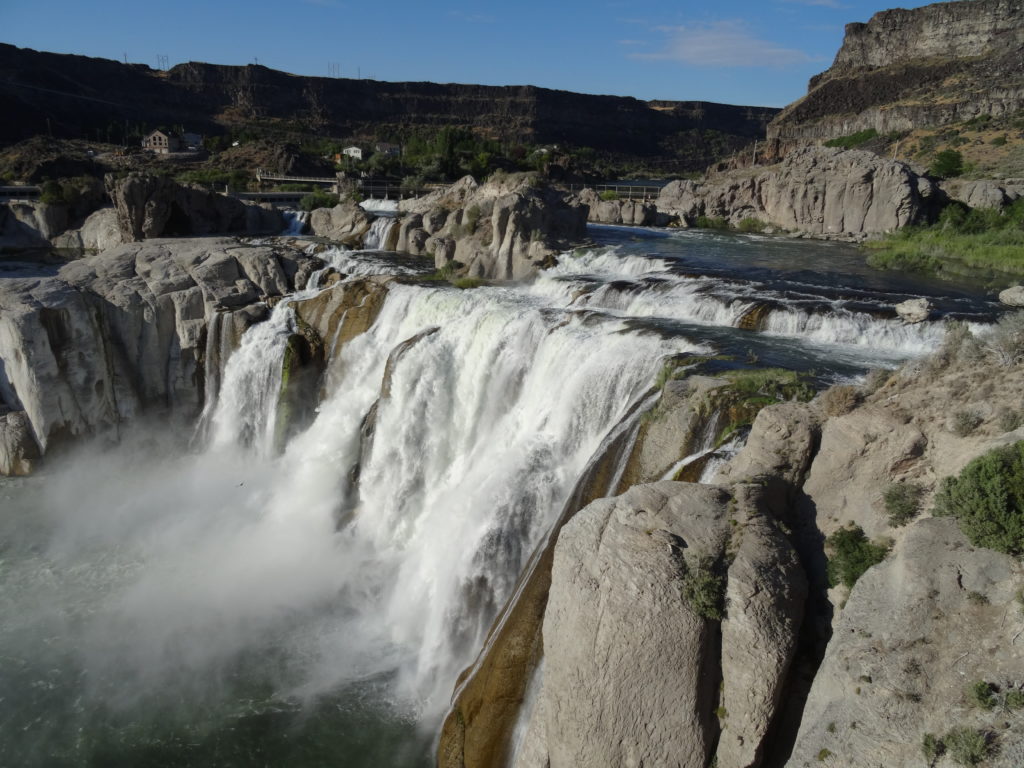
(376, 237)
(651, 290)
(297, 221)
(474, 448)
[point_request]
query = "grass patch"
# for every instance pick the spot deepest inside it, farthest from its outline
(772, 383)
(966, 746)
(608, 195)
(978, 239)
(853, 140)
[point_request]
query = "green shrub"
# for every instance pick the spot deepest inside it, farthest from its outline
(823, 755)
(853, 140)
(51, 193)
(987, 499)
(750, 224)
(852, 555)
(467, 282)
(711, 222)
(932, 747)
(964, 422)
(608, 195)
(966, 746)
(999, 141)
(1014, 700)
(316, 200)
(947, 163)
(704, 590)
(902, 502)
(982, 694)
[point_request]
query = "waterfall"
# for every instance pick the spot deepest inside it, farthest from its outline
(297, 221)
(376, 238)
(641, 287)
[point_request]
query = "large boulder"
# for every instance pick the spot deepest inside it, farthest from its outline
(1013, 296)
(505, 229)
(914, 310)
(819, 191)
(639, 668)
(346, 223)
(156, 206)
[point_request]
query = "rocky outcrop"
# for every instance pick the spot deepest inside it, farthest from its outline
(818, 191)
(122, 333)
(915, 633)
(505, 229)
(156, 206)
(30, 224)
(905, 69)
(637, 670)
(982, 193)
(346, 223)
(19, 452)
(637, 213)
(99, 232)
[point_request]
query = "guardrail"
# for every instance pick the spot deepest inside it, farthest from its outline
(19, 192)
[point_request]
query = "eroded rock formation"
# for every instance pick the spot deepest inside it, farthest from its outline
(121, 333)
(816, 190)
(505, 229)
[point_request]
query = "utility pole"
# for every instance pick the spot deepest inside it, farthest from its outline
(753, 160)
(126, 57)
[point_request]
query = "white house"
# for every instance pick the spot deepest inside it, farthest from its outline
(356, 153)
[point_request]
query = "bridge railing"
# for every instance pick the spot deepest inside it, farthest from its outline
(622, 191)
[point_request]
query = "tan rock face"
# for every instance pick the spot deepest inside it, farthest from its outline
(816, 190)
(633, 673)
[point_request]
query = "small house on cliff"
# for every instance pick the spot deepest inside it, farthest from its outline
(161, 143)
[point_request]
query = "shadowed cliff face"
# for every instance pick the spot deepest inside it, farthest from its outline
(908, 69)
(83, 97)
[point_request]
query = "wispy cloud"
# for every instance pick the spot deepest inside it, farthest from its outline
(635, 43)
(723, 44)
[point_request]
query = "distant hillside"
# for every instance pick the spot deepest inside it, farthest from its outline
(903, 70)
(104, 100)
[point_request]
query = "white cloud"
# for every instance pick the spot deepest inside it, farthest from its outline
(723, 44)
(633, 42)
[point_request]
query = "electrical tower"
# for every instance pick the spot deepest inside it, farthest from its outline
(161, 61)
(333, 69)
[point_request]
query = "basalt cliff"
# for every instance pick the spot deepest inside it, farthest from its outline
(904, 69)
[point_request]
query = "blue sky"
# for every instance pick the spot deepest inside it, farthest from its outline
(758, 52)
